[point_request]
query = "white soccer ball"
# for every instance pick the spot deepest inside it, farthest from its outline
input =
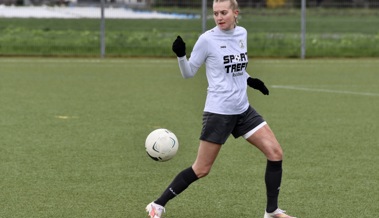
(161, 145)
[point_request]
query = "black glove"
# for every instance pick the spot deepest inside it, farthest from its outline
(257, 84)
(179, 47)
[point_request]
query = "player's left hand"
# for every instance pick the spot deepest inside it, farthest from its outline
(256, 83)
(179, 47)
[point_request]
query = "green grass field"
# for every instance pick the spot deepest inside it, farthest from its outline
(72, 137)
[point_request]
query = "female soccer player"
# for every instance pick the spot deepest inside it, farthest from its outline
(227, 111)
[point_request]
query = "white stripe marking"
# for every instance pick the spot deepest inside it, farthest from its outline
(325, 90)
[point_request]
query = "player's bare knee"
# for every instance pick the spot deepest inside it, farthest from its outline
(278, 154)
(275, 154)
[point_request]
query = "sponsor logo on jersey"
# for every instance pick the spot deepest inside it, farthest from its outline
(235, 63)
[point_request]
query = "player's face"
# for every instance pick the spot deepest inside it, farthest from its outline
(224, 15)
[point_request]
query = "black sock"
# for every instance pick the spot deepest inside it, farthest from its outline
(179, 184)
(273, 178)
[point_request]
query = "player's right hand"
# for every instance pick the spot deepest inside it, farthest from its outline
(179, 47)
(256, 83)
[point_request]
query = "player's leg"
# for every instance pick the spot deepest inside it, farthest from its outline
(177, 186)
(206, 156)
(255, 130)
(265, 140)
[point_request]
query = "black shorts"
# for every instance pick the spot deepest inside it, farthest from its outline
(218, 127)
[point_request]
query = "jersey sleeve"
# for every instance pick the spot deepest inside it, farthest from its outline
(189, 68)
(185, 68)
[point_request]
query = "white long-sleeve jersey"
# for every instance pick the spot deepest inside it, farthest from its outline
(225, 56)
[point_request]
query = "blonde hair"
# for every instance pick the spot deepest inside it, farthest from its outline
(233, 3)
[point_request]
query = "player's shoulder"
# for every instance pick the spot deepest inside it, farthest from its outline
(240, 29)
(209, 33)
(207, 36)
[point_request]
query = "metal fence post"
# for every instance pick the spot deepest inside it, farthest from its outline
(303, 28)
(204, 15)
(102, 31)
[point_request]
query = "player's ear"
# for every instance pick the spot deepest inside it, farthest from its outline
(236, 15)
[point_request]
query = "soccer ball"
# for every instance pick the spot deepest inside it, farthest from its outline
(161, 145)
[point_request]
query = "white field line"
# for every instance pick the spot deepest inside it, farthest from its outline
(324, 90)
